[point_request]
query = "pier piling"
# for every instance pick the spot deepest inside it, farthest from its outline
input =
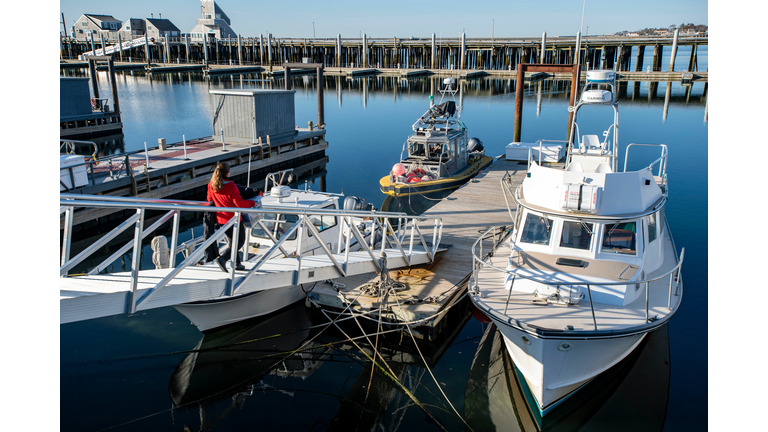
(674, 52)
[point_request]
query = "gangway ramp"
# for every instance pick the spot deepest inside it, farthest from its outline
(99, 295)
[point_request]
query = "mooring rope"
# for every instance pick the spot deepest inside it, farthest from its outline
(388, 372)
(432, 375)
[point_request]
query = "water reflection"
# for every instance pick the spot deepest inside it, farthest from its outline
(630, 396)
(232, 360)
(234, 368)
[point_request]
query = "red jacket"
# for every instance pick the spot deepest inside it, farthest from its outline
(227, 196)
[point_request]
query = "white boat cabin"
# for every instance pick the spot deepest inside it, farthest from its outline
(589, 223)
(278, 224)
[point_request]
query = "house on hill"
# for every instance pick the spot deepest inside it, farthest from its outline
(214, 23)
(94, 24)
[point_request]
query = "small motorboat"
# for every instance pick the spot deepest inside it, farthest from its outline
(439, 155)
(263, 235)
(591, 267)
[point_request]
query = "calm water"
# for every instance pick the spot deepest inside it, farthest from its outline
(154, 371)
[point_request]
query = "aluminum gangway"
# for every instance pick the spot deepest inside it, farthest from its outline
(98, 294)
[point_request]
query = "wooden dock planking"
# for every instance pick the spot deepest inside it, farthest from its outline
(466, 213)
(168, 166)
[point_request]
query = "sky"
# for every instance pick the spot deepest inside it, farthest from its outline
(406, 18)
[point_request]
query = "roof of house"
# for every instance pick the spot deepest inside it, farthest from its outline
(221, 13)
(102, 17)
(162, 24)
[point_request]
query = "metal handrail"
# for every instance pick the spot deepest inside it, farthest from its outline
(304, 226)
(69, 145)
(100, 201)
(584, 216)
(478, 263)
(661, 160)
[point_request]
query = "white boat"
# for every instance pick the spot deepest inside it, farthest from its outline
(262, 235)
(590, 267)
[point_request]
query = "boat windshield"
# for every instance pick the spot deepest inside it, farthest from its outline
(576, 235)
(277, 224)
(416, 149)
(620, 238)
(537, 230)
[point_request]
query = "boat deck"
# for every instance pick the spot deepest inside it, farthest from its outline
(523, 309)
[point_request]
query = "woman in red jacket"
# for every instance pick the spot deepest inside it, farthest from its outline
(224, 193)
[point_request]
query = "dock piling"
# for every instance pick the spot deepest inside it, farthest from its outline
(674, 51)
(146, 51)
(239, 50)
(269, 50)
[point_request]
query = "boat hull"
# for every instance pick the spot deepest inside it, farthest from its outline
(208, 315)
(570, 363)
(401, 189)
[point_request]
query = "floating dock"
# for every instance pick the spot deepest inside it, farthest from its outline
(432, 289)
(362, 72)
(472, 74)
(155, 69)
(231, 70)
(415, 73)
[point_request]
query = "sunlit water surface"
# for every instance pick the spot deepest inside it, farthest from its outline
(120, 373)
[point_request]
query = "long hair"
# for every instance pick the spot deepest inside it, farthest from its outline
(217, 181)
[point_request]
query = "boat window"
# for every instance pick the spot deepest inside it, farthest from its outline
(415, 149)
(577, 235)
(651, 227)
(435, 151)
(270, 220)
(619, 238)
(537, 230)
(323, 222)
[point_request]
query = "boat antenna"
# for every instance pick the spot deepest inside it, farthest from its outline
(448, 82)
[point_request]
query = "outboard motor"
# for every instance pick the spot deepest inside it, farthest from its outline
(474, 145)
(355, 203)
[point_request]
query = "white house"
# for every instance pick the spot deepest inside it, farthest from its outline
(213, 23)
(95, 24)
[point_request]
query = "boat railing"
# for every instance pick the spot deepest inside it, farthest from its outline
(661, 160)
(381, 222)
(479, 261)
(67, 146)
(506, 187)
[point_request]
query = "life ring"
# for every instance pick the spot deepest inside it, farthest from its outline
(419, 172)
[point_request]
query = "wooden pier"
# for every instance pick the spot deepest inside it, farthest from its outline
(431, 290)
(169, 175)
(462, 53)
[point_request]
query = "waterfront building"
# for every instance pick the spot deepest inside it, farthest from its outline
(214, 23)
(153, 28)
(95, 24)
